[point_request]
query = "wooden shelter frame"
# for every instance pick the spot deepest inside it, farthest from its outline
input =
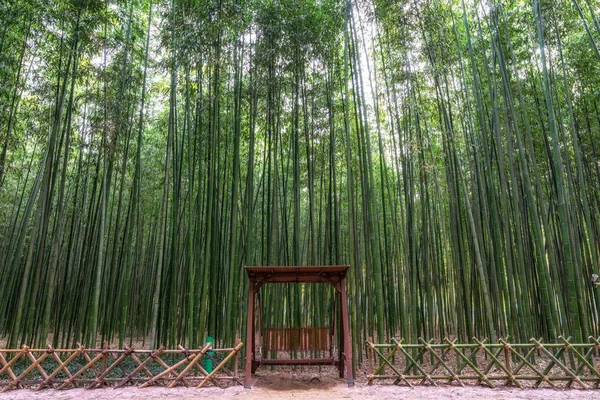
(328, 274)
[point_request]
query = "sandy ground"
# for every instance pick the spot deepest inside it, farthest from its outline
(278, 386)
(340, 391)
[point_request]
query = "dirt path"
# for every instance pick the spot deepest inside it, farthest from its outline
(319, 393)
(277, 386)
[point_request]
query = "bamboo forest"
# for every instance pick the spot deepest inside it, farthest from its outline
(447, 150)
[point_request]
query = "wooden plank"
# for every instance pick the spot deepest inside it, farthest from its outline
(299, 361)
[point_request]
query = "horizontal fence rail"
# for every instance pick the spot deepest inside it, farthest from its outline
(524, 365)
(95, 368)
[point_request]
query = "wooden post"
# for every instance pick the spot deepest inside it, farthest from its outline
(507, 363)
(370, 353)
(346, 334)
(104, 357)
(258, 307)
(333, 332)
(341, 342)
(236, 362)
(249, 336)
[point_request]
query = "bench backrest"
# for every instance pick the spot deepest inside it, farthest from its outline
(296, 339)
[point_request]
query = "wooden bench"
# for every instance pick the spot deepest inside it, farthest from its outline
(296, 339)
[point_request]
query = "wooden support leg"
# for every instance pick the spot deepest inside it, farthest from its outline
(346, 334)
(341, 342)
(249, 337)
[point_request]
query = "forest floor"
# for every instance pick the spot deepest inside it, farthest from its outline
(288, 384)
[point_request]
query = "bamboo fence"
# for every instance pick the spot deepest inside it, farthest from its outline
(524, 365)
(95, 368)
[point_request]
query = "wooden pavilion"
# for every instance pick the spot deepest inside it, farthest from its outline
(309, 339)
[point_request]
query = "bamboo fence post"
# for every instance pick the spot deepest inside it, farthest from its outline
(14, 360)
(427, 370)
(141, 366)
(583, 360)
(100, 379)
(453, 375)
(114, 357)
(473, 366)
(496, 361)
(370, 345)
(3, 363)
(90, 364)
(566, 369)
(104, 358)
(61, 366)
(400, 375)
(41, 370)
(236, 360)
(89, 359)
(190, 365)
(168, 370)
(35, 364)
(507, 358)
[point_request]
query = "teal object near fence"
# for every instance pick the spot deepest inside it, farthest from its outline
(208, 361)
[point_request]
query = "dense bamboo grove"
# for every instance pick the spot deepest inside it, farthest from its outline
(447, 150)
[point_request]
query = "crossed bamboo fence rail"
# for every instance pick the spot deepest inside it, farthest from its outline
(534, 364)
(94, 368)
